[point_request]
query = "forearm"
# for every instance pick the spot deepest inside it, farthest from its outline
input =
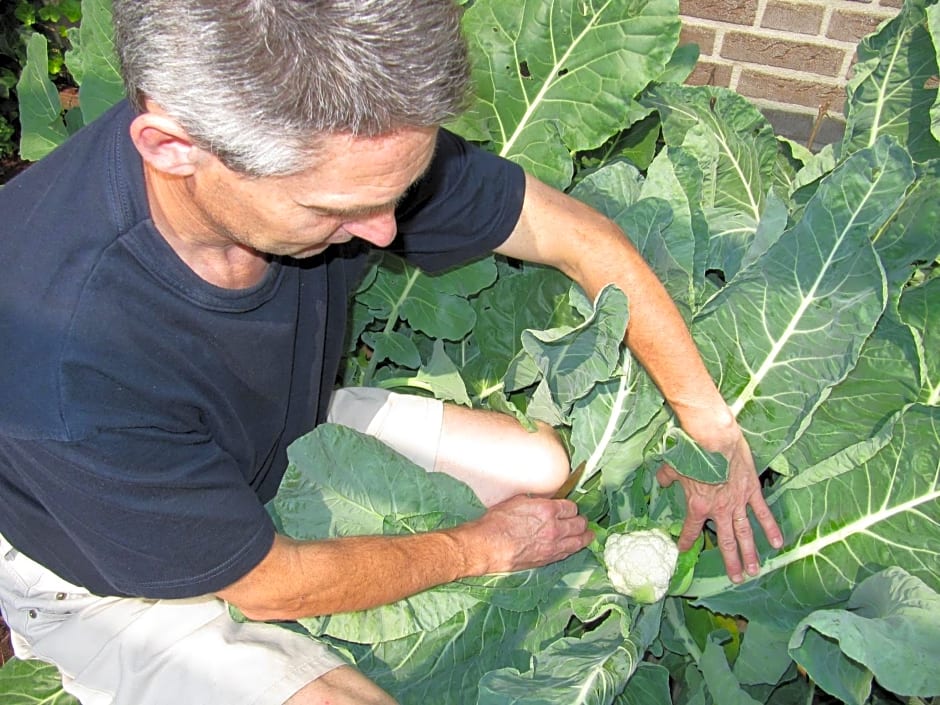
(594, 252)
(310, 578)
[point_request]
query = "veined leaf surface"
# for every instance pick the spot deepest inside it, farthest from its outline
(791, 325)
(555, 77)
(32, 683)
(890, 629)
(736, 150)
(933, 25)
(675, 177)
(920, 308)
(42, 128)
(844, 527)
(93, 62)
(885, 379)
(893, 87)
(910, 238)
(591, 670)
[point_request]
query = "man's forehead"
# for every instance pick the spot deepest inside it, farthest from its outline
(352, 172)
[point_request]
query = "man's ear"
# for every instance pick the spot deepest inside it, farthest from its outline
(163, 144)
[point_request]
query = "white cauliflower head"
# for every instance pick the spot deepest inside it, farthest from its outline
(640, 564)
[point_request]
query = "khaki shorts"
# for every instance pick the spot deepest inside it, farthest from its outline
(131, 651)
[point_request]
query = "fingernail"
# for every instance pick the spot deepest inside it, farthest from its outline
(753, 569)
(777, 543)
(738, 578)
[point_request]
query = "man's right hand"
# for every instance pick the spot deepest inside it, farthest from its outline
(520, 533)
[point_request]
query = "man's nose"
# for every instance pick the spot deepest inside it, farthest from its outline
(379, 229)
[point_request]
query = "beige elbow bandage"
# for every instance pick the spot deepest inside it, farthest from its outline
(410, 424)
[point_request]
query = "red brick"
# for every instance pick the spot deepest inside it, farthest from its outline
(733, 11)
(796, 17)
(788, 90)
(696, 34)
(847, 26)
(708, 73)
(782, 53)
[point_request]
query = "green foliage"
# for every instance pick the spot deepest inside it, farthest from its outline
(809, 283)
(93, 66)
(19, 20)
(32, 683)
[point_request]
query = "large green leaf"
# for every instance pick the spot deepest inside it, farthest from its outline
(736, 151)
(92, 60)
(434, 305)
(719, 679)
(40, 109)
(791, 325)
(611, 413)
(32, 683)
(555, 77)
(591, 670)
(676, 177)
(573, 361)
(341, 483)
(447, 664)
(920, 308)
(843, 526)
(933, 26)
(616, 191)
(885, 379)
(649, 685)
(910, 237)
(893, 86)
(890, 629)
(521, 299)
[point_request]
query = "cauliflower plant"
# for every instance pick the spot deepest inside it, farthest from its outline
(640, 564)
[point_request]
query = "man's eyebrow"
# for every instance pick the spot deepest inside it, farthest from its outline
(365, 211)
(359, 211)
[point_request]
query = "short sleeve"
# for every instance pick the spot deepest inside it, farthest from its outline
(465, 205)
(132, 512)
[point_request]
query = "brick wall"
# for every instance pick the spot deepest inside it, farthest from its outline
(792, 58)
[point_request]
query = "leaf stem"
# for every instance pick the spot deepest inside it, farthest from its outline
(613, 421)
(811, 696)
(498, 387)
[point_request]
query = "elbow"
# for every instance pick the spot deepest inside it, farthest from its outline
(270, 612)
(549, 456)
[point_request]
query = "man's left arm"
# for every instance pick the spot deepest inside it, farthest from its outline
(558, 230)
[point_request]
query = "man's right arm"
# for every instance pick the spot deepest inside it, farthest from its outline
(309, 578)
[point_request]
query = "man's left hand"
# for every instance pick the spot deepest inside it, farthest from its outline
(727, 505)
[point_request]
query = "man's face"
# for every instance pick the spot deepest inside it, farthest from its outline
(350, 191)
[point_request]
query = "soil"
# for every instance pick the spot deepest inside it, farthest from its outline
(9, 167)
(6, 648)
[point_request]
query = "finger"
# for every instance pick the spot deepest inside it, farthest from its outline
(572, 526)
(565, 509)
(745, 538)
(691, 528)
(665, 476)
(766, 520)
(728, 546)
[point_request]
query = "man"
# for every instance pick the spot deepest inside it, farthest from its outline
(174, 287)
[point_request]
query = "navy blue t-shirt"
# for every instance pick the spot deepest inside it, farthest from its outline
(145, 413)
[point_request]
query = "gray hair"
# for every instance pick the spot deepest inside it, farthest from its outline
(257, 82)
